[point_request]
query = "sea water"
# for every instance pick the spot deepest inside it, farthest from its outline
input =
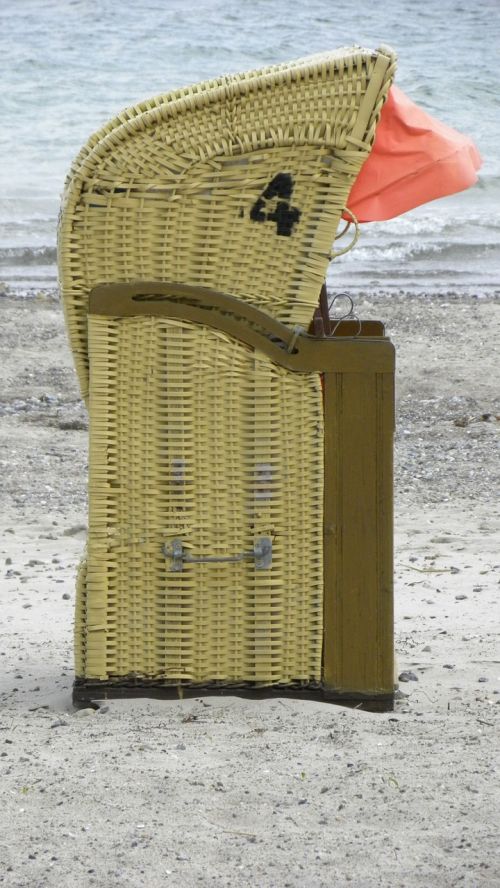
(70, 65)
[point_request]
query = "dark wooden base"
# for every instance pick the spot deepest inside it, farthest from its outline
(91, 693)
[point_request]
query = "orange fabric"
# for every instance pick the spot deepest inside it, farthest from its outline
(415, 159)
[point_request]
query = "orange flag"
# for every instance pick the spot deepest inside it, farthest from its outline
(415, 159)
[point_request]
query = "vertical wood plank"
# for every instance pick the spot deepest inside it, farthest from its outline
(358, 619)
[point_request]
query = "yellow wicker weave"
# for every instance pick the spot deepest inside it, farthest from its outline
(128, 114)
(194, 436)
(172, 192)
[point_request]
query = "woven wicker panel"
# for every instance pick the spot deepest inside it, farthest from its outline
(173, 193)
(85, 160)
(80, 624)
(195, 436)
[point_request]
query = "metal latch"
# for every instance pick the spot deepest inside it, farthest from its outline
(262, 555)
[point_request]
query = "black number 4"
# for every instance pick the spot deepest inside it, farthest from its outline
(285, 216)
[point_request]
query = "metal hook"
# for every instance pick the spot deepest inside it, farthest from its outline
(335, 253)
(340, 234)
(349, 315)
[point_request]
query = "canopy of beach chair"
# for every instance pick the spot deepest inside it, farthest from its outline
(415, 159)
(236, 186)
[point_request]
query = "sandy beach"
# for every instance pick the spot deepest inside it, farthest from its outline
(276, 793)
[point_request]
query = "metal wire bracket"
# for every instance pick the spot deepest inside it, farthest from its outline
(262, 554)
(348, 315)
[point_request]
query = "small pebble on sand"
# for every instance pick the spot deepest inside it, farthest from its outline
(407, 676)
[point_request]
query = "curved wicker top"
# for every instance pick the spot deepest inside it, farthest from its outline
(236, 184)
(127, 114)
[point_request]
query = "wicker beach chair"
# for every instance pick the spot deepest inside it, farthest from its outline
(240, 468)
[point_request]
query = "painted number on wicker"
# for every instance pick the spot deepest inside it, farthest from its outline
(279, 191)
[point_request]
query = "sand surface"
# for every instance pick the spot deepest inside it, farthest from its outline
(232, 792)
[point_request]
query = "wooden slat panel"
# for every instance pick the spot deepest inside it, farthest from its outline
(358, 649)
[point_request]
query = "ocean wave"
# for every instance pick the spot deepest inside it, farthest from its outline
(457, 224)
(441, 252)
(28, 225)
(27, 256)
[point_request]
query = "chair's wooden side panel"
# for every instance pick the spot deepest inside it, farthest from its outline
(358, 620)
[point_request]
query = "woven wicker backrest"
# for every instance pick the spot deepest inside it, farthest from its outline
(237, 185)
(196, 437)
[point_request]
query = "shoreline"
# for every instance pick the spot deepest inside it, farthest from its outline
(377, 290)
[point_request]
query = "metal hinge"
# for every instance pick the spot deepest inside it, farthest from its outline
(262, 555)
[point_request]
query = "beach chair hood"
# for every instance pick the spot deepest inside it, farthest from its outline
(237, 186)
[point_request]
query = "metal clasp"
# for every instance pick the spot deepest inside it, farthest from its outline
(262, 554)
